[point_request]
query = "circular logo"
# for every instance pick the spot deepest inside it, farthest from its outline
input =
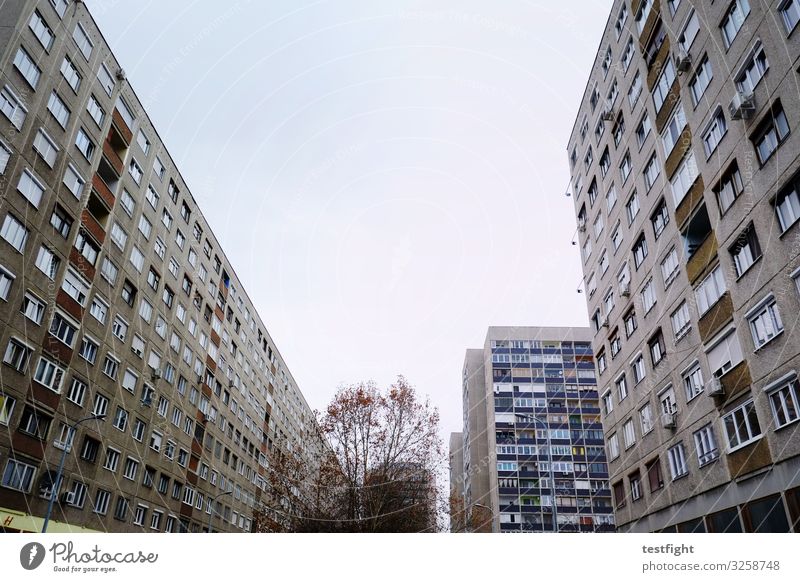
(31, 555)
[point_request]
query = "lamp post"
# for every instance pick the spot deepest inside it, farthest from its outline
(552, 473)
(68, 445)
(213, 499)
(482, 523)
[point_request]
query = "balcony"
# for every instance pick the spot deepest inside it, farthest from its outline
(91, 224)
(118, 124)
(654, 69)
(650, 24)
(673, 97)
(103, 190)
(715, 318)
(692, 199)
(682, 145)
(113, 158)
(736, 381)
(749, 459)
(699, 261)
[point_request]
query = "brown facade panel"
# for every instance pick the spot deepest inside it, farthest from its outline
(701, 260)
(215, 339)
(672, 99)
(40, 395)
(124, 131)
(90, 223)
(27, 445)
(84, 267)
(112, 157)
(716, 317)
(219, 313)
(749, 459)
(736, 381)
(692, 199)
(186, 511)
(682, 146)
(658, 64)
(210, 363)
(68, 304)
(58, 350)
(650, 24)
(103, 190)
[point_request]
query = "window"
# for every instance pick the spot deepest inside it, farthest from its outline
(765, 321)
(646, 418)
(660, 218)
(47, 262)
(14, 232)
(59, 110)
(74, 181)
(677, 461)
(153, 279)
(706, 445)
(155, 441)
(787, 207)
(639, 371)
(651, 171)
(128, 293)
(61, 221)
(49, 374)
(734, 18)
(616, 236)
(135, 170)
(143, 142)
(119, 236)
(27, 68)
(622, 388)
(625, 167)
(663, 85)
(33, 308)
(630, 322)
(18, 475)
(128, 204)
(605, 159)
(640, 251)
(130, 469)
(70, 74)
(606, 64)
(784, 403)
(34, 423)
(137, 346)
(111, 366)
(121, 509)
(598, 226)
(657, 348)
(684, 178)
(145, 310)
(77, 391)
(613, 447)
(88, 349)
(621, 18)
(642, 13)
(635, 89)
(628, 434)
(680, 320)
(145, 227)
(6, 280)
(95, 110)
(84, 144)
(90, 449)
(627, 55)
(725, 354)
(669, 267)
(77, 494)
(753, 70)
(746, 250)
(40, 29)
(17, 355)
(701, 80)
(120, 419)
(75, 286)
(790, 13)
(137, 258)
(673, 130)
(158, 168)
(112, 460)
(129, 380)
(139, 515)
(689, 33)
(714, 132)
(12, 107)
(632, 207)
(5, 156)
(81, 39)
(729, 187)
(741, 426)
(710, 290)
(109, 271)
(772, 133)
(608, 402)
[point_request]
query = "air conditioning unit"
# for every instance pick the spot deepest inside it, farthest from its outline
(668, 420)
(742, 106)
(715, 387)
(683, 62)
(68, 497)
(625, 289)
(155, 373)
(608, 115)
(120, 74)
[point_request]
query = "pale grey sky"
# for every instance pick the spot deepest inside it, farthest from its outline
(387, 178)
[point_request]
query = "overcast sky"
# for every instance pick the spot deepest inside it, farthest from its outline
(386, 178)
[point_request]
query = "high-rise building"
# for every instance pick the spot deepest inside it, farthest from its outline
(116, 299)
(532, 441)
(684, 162)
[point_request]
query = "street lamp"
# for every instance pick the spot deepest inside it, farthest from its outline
(68, 445)
(213, 499)
(552, 473)
(482, 506)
